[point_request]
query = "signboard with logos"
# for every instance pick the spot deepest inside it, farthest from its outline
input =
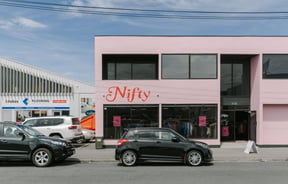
(128, 94)
(34, 103)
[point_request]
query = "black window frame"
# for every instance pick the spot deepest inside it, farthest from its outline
(265, 65)
(132, 59)
(189, 66)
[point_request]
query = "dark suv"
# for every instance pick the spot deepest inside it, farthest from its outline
(140, 144)
(23, 142)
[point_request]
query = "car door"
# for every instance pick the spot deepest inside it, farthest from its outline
(13, 145)
(38, 124)
(2, 141)
(169, 145)
(145, 142)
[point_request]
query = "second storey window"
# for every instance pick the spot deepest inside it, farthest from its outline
(189, 66)
(275, 66)
(130, 67)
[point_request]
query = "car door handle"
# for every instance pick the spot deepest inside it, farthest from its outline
(158, 142)
(4, 141)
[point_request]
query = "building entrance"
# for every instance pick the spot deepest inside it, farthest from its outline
(235, 97)
(234, 125)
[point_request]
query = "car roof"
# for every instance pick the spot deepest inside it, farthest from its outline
(147, 128)
(50, 117)
(9, 122)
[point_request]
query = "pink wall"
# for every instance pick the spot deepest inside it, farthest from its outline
(194, 91)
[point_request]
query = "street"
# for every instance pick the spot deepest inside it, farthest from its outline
(111, 172)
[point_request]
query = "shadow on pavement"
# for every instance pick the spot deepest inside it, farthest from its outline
(168, 164)
(19, 163)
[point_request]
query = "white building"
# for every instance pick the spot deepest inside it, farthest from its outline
(27, 91)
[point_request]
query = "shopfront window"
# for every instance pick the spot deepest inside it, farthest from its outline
(119, 117)
(191, 121)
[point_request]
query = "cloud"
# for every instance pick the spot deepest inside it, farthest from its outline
(29, 23)
(21, 22)
(5, 24)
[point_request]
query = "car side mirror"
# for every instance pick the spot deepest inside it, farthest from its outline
(21, 134)
(175, 139)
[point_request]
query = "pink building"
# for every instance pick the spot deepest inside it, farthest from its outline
(212, 89)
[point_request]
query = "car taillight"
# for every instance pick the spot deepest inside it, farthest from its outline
(121, 142)
(72, 127)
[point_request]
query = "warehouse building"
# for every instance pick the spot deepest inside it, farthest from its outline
(27, 91)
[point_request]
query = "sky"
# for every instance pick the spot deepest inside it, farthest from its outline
(62, 42)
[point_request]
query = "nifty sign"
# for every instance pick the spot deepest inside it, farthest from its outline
(130, 94)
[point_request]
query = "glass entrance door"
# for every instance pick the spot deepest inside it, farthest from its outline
(234, 125)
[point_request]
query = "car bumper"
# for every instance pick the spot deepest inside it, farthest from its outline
(208, 156)
(64, 153)
(76, 139)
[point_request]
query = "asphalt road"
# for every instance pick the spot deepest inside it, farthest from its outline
(111, 172)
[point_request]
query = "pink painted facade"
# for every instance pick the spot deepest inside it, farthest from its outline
(268, 97)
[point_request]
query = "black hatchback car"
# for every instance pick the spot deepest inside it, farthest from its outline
(22, 142)
(140, 144)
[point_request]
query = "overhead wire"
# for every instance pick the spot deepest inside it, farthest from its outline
(147, 13)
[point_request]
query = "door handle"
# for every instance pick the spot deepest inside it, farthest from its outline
(4, 141)
(158, 142)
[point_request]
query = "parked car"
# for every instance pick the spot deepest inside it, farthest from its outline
(141, 144)
(23, 142)
(66, 127)
(89, 135)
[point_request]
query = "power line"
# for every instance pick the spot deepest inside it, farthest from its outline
(146, 13)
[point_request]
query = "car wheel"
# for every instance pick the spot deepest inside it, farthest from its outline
(194, 158)
(42, 157)
(128, 158)
(80, 141)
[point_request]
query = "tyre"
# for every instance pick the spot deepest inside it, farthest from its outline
(56, 136)
(42, 157)
(193, 158)
(129, 158)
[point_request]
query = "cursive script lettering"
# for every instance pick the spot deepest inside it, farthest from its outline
(130, 94)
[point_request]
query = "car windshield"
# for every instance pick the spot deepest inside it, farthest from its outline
(30, 130)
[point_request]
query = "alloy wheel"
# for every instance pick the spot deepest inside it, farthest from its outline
(194, 158)
(42, 157)
(129, 158)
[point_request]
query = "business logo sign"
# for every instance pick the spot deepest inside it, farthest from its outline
(26, 101)
(34, 103)
(130, 94)
(11, 101)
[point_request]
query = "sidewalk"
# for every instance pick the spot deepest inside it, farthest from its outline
(226, 153)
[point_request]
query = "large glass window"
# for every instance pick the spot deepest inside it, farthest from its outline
(191, 121)
(130, 67)
(175, 66)
(193, 66)
(235, 80)
(119, 117)
(275, 66)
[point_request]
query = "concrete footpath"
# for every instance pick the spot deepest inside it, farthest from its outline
(227, 152)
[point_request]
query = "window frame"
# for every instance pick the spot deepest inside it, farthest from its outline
(265, 76)
(130, 60)
(189, 66)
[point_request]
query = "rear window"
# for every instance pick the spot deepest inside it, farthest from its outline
(75, 121)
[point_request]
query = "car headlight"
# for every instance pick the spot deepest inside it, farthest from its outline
(59, 143)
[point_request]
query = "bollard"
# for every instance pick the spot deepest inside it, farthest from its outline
(99, 143)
